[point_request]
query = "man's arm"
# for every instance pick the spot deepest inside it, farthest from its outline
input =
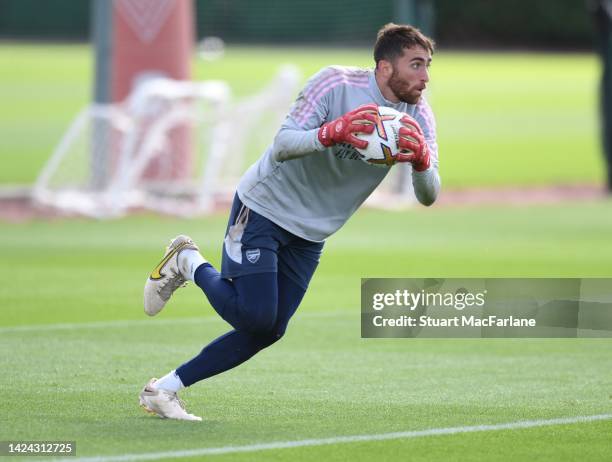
(307, 129)
(297, 136)
(420, 138)
(426, 185)
(341, 130)
(293, 143)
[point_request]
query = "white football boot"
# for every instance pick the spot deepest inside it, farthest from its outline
(166, 277)
(166, 404)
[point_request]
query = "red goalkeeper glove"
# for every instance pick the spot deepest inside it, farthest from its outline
(343, 129)
(411, 138)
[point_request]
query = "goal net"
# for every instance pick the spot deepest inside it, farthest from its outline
(119, 157)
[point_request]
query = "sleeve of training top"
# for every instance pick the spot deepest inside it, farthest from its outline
(297, 136)
(426, 184)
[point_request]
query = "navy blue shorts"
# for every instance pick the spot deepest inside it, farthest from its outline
(254, 244)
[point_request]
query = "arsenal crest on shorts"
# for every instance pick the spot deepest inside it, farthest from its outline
(253, 255)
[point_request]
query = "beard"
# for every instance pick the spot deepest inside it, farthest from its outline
(402, 89)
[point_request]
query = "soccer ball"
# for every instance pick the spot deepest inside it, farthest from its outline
(383, 141)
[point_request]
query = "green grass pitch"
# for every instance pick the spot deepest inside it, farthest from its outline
(77, 346)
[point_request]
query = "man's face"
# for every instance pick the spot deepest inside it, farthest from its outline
(410, 74)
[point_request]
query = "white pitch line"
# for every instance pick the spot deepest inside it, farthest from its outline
(339, 440)
(143, 322)
(103, 324)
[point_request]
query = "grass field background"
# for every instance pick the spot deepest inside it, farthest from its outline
(80, 382)
(503, 118)
(76, 346)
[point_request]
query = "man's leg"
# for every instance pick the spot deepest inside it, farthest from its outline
(297, 262)
(247, 303)
(237, 346)
(250, 304)
(257, 301)
(290, 295)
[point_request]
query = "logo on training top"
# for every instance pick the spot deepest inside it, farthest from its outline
(253, 255)
(145, 17)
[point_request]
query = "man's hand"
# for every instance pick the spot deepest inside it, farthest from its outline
(411, 138)
(343, 129)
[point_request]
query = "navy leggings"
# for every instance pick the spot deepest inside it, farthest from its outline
(258, 307)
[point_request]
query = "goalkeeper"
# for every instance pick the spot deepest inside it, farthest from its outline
(303, 188)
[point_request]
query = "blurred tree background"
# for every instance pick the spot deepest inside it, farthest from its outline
(550, 24)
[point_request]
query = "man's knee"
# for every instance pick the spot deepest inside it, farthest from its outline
(260, 321)
(277, 332)
(257, 303)
(268, 338)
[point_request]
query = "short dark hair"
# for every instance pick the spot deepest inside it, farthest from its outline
(393, 38)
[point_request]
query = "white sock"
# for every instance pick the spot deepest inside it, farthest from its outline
(188, 262)
(170, 382)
